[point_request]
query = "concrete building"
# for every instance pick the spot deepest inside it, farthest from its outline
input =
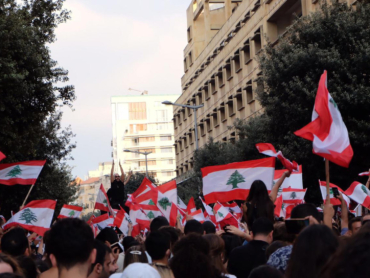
(142, 123)
(104, 169)
(221, 70)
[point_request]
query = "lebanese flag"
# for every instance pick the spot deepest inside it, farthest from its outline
(122, 220)
(359, 193)
(24, 173)
(2, 156)
(198, 215)
(140, 220)
(208, 212)
(294, 181)
(3, 218)
(191, 206)
(234, 209)
(364, 174)
(221, 213)
(269, 149)
(181, 204)
(293, 195)
(145, 186)
(102, 201)
(168, 208)
(334, 201)
(232, 181)
(69, 211)
(327, 130)
(103, 221)
(282, 209)
(36, 217)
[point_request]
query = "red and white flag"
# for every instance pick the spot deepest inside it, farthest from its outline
(122, 220)
(36, 216)
(282, 209)
(140, 220)
(69, 211)
(198, 215)
(167, 208)
(24, 173)
(145, 186)
(191, 206)
(2, 156)
(334, 201)
(327, 130)
(359, 193)
(294, 181)
(208, 212)
(103, 221)
(102, 201)
(293, 195)
(269, 149)
(221, 213)
(181, 204)
(364, 174)
(232, 181)
(234, 209)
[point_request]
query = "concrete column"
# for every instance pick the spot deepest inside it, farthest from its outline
(207, 23)
(228, 10)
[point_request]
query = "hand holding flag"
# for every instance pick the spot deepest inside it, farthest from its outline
(269, 149)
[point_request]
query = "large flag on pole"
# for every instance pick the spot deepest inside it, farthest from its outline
(103, 221)
(24, 173)
(334, 201)
(359, 193)
(327, 130)
(36, 216)
(294, 181)
(2, 156)
(69, 211)
(102, 201)
(232, 181)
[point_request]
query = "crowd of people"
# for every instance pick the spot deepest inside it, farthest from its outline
(309, 244)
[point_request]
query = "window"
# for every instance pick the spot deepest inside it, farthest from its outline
(222, 113)
(212, 85)
(167, 174)
(166, 150)
(122, 111)
(137, 111)
(202, 129)
(220, 77)
(150, 163)
(135, 141)
(190, 138)
(215, 118)
(148, 150)
(190, 58)
(199, 100)
(185, 65)
(247, 52)
(236, 60)
(166, 138)
(189, 34)
(239, 99)
(230, 105)
(161, 115)
(206, 90)
(135, 128)
(228, 69)
(249, 91)
(146, 139)
(208, 122)
(257, 41)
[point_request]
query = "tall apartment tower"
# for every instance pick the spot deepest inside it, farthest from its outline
(221, 70)
(142, 123)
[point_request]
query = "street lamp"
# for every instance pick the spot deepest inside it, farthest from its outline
(195, 108)
(146, 158)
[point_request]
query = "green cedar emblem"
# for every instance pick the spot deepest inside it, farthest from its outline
(178, 200)
(331, 191)
(28, 216)
(293, 195)
(235, 178)
(128, 220)
(164, 203)
(282, 206)
(71, 214)
(220, 214)
(15, 172)
(105, 202)
(364, 189)
(334, 103)
(151, 202)
(150, 215)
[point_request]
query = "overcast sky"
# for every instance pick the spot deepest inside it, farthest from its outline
(109, 46)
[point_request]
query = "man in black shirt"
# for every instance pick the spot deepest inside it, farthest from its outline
(245, 258)
(116, 193)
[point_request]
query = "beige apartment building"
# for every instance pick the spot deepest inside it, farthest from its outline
(142, 123)
(221, 69)
(103, 170)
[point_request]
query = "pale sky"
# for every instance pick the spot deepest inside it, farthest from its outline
(109, 46)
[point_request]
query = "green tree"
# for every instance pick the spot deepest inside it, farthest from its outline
(235, 178)
(28, 216)
(32, 91)
(16, 171)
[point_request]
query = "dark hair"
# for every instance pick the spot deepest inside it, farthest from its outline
(280, 233)
(262, 226)
(135, 254)
(158, 222)
(304, 210)
(273, 247)
(353, 220)
(217, 249)
(260, 204)
(128, 242)
(41, 265)
(71, 242)
(265, 271)
(10, 275)
(28, 266)
(351, 260)
(107, 234)
(193, 226)
(157, 244)
(172, 233)
(231, 242)
(312, 249)
(4, 258)
(101, 251)
(209, 227)
(15, 242)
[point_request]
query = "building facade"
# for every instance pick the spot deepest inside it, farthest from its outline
(142, 123)
(221, 70)
(104, 169)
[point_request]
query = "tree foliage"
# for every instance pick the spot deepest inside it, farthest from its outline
(32, 91)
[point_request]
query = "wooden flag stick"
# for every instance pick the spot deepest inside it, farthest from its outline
(368, 181)
(327, 181)
(28, 194)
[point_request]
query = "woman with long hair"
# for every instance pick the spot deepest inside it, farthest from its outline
(135, 254)
(9, 265)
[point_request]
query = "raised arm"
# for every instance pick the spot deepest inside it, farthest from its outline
(128, 177)
(112, 172)
(122, 173)
(275, 188)
(344, 215)
(368, 181)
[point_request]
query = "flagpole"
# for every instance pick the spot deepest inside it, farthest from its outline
(28, 194)
(327, 181)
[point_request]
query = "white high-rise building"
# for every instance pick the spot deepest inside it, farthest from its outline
(142, 123)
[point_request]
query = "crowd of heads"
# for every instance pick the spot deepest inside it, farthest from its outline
(268, 248)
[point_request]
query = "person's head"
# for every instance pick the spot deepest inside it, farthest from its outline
(71, 244)
(140, 270)
(107, 236)
(157, 244)
(8, 264)
(231, 242)
(351, 259)
(265, 271)
(193, 226)
(172, 233)
(281, 234)
(312, 249)
(258, 192)
(354, 225)
(100, 268)
(365, 218)
(112, 266)
(217, 251)
(11, 275)
(209, 227)
(304, 210)
(273, 247)
(15, 243)
(135, 254)
(28, 266)
(158, 222)
(117, 177)
(263, 229)
(128, 242)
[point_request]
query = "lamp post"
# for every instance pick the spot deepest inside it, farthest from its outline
(195, 108)
(146, 158)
